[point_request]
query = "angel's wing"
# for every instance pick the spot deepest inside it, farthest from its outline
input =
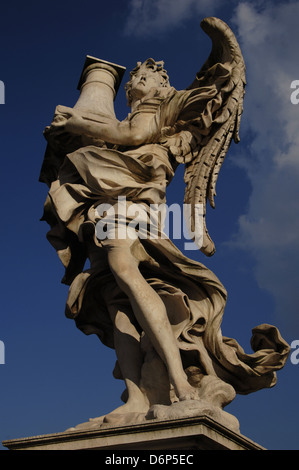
(211, 123)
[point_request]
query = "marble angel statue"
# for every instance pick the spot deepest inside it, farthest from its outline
(159, 310)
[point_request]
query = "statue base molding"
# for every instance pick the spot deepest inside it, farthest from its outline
(195, 433)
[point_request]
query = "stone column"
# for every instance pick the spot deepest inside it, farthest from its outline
(98, 85)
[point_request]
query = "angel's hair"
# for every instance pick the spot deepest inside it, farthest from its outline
(148, 64)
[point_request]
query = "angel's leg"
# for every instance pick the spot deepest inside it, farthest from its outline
(150, 313)
(130, 359)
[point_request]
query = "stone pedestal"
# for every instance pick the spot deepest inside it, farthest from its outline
(192, 434)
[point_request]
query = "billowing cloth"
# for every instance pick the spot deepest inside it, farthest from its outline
(194, 297)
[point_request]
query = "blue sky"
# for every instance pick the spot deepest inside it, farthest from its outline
(54, 376)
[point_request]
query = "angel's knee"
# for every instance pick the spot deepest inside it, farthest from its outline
(123, 265)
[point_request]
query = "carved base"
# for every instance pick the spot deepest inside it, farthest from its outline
(179, 410)
(192, 408)
(192, 434)
(213, 394)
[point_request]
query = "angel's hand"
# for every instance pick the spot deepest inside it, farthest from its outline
(70, 122)
(180, 145)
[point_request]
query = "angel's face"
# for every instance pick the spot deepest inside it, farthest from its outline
(143, 82)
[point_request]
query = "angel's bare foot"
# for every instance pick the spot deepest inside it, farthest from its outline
(129, 408)
(187, 392)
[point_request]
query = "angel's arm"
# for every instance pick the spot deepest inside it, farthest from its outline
(141, 129)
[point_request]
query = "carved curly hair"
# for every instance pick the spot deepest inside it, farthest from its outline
(150, 64)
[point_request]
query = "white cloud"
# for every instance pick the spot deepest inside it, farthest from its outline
(270, 230)
(147, 17)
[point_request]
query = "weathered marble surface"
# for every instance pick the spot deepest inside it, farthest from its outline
(159, 310)
(178, 435)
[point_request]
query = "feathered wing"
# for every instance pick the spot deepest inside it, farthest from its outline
(209, 122)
